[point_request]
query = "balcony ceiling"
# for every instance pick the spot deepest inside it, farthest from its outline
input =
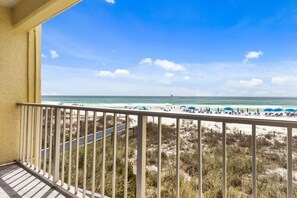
(9, 3)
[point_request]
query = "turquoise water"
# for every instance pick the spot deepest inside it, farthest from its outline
(121, 101)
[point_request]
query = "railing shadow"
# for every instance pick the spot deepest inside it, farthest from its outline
(17, 182)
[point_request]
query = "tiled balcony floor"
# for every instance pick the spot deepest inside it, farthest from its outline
(15, 181)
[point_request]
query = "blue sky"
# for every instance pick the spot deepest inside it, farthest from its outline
(187, 48)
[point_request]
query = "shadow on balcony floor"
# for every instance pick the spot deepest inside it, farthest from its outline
(15, 181)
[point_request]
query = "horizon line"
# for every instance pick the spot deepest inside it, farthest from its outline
(172, 96)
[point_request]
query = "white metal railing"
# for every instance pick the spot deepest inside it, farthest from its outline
(37, 138)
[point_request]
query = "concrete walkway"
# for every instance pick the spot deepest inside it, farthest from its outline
(120, 128)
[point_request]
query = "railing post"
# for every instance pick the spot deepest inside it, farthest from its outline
(37, 137)
(56, 153)
(224, 160)
(199, 130)
(114, 155)
(177, 156)
(21, 134)
(141, 156)
(126, 156)
(159, 156)
(103, 156)
(289, 163)
(40, 138)
(25, 134)
(254, 161)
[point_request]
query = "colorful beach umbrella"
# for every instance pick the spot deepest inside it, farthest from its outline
(141, 107)
(191, 107)
(268, 109)
(228, 109)
(290, 110)
(278, 109)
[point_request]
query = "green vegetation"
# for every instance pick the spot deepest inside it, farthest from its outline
(271, 156)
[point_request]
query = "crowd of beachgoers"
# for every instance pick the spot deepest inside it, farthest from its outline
(268, 112)
(229, 111)
(237, 111)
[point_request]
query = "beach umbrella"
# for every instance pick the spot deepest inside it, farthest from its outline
(290, 110)
(268, 109)
(183, 107)
(218, 109)
(278, 109)
(191, 108)
(141, 107)
(228, 109)
(247, 110)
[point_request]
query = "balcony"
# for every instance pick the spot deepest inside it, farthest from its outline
(17, 181)
(57, 145)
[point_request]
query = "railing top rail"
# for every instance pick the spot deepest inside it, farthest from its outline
(265, 121)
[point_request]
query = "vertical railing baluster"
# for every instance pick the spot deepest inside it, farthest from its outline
(289, 163)
(21, 134)
(177, 156)
(94, 153)
(103, 156)
(114, 154)
(45, 142)
(40, 137)
(57, 142)
(126, 156)
(25, 136)
(32, 136)
(224, 155)
(50, 144)
(254, 161)
(63, 146)
(77, 151)
(85, 153)
(70, 149)
(159, 156)
(37, 135)
(200, 157)
(29, 135)
(141, 156)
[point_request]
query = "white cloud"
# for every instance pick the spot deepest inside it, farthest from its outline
(254, 82)
(217, 79)
(54, 54)
(168, 75)
(104, 74)
(252, 55)
(169, 65)
(110, 1)
(122, 72)
(280, 80)
(186, 77)
(146, 61)
(43, 56)
(110, 74)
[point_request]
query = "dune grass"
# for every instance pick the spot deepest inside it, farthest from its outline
(270, 155)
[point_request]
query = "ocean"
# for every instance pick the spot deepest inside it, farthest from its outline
(157, 101)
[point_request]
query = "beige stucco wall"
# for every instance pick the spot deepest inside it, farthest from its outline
(19, 75)
(20, 67)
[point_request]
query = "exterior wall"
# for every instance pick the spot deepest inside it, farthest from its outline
(19, 80)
